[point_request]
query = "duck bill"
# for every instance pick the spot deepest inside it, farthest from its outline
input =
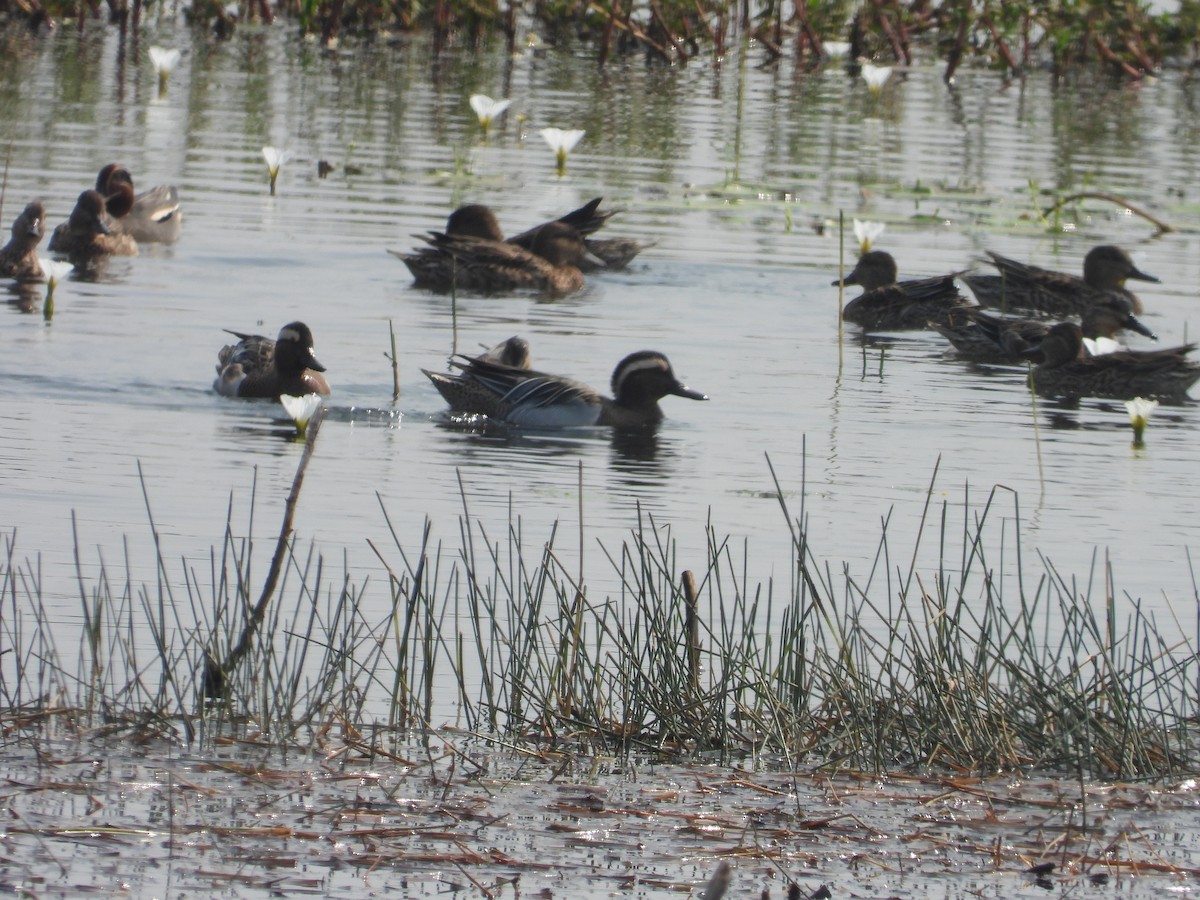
(1142, 276)
(310, 362)
(682, 390)
(1133, 323)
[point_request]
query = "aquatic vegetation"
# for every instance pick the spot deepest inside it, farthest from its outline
(1130, 40)
(1139, 410)
(562, 142)
(487, 110)
(301, 409)
(54, 270)
(875, 76)
(164, 62)
(866, 233)
(968, 665)
(275, 159)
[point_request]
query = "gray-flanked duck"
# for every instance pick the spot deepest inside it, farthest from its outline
(527, 397)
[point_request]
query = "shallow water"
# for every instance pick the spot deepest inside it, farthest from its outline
(426, 822)
(730, 169)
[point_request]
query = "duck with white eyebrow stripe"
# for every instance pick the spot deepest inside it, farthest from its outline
(257, 366)
(539, 400)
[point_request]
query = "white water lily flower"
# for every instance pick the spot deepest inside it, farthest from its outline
(301, 409)
(488, 109)
(164, 61)
(1139, 409)
(875, 76)
(562, 142)
(275, 160)
(836, 49)
(55, 271)
(866, 233)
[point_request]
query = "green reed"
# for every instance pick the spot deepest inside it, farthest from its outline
(988, 659)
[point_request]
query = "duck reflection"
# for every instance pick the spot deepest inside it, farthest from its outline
(26, 296)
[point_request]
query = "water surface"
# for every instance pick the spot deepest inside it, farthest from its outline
(738, 173)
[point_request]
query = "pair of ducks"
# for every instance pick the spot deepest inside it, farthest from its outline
(1065, 367)
(108, 220)
(498, 383)
(472, 253)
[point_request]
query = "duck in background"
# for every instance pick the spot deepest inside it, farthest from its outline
(152, 216)
(888, 305)
(535, 399)
(18, 258)
(257, 366)
(88, 234)
(1065, 369)
(612, 253)
(987, 338)
(488, 266)
(1026, 287)
(434, 267)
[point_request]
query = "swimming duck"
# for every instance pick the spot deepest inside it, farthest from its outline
(984, 337)
(18, 258)
(491, 267)
(1022, 286)
(257, 366)
(152, 216)
(89, 234)
(888, 305)
(612, 253)
(434, 268)
(527, 397)
(1064, 369)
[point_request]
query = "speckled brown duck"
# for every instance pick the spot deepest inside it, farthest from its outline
(988, 338)
(489, 266)
(1064, 369)
(89, 233)
(888, 305)
(1024, 287)
(18, 258)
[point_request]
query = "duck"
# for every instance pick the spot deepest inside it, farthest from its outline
(488, 266)
(257, 366)
(434, 268)
(984, 337)
(888, 305)
(606, 253)
(152, 216)
(1022, 286)
(18, 258)
(1065, 369)
(527, 397)
(88, 233)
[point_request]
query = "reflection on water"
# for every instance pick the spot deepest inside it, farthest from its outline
(734, 172)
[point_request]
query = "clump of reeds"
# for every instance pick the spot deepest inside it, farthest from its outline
(967, 666)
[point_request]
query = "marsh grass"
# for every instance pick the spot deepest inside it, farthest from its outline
(967, 665)
(1125, 39)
